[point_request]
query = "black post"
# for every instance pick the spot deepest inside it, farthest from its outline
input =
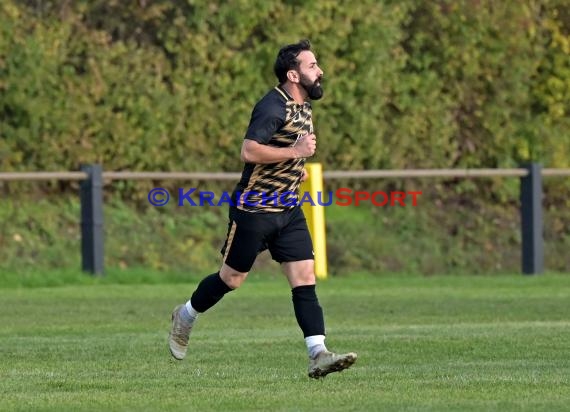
(531, 220)
(92, 220)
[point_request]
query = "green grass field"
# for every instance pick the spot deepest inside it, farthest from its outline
(436, 344)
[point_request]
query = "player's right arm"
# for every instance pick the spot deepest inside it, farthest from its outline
(267, 117)
(255, 152)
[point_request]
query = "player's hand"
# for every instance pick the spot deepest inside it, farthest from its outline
(306, 145)
(305, 175)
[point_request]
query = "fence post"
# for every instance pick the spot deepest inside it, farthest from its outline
(92, 220)
(531, 220)
(315, 216)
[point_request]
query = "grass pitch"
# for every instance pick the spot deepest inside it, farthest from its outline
(429, 344)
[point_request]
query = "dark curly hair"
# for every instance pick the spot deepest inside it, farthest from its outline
(287, 59)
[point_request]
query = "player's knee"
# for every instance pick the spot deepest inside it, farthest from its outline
(304, 277)
(308, 278)
(234, 282)
(300, 273)
(232, 277)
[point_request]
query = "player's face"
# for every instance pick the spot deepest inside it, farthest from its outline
(310, 75)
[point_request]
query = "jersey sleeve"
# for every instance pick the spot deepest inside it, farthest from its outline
(266, 119)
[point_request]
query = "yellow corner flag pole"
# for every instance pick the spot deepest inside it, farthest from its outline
(315, 216)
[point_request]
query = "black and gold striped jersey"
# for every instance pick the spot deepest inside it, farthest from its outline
(277, 120)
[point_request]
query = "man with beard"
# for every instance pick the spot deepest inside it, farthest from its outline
(264, 212)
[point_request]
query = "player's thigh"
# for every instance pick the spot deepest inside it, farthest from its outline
(293, 243)
(246, 238)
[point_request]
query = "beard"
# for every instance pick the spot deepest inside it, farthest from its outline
(313, 89)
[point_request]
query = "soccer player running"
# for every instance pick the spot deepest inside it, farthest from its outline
(279, 138)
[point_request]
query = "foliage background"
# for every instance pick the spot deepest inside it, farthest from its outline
(169, 86)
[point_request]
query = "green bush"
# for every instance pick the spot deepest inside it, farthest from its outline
(168, 85)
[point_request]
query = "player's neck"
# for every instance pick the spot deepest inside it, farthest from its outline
(296, 91)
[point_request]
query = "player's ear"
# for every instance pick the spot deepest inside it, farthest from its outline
(293, 76)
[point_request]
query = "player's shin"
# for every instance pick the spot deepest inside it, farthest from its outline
(310, 318)
(209, 292)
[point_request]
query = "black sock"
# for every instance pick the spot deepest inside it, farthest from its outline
(308, 312)
(209, 292)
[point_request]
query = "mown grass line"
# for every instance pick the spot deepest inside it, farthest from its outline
(435, 344)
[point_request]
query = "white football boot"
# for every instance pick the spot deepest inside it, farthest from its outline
(327, 362)
(179, 334)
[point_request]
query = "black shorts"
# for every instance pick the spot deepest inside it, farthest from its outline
(285, 234)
